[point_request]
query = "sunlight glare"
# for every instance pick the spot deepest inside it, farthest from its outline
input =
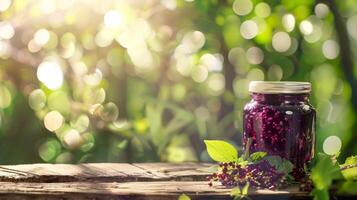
(113, 19)
(50, 74)
(306, 27)
(7, 31)
(41, 37)
(4, 5)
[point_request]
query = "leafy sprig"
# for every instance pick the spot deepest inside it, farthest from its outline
(257, 169)
(237, 171)
(327, 170)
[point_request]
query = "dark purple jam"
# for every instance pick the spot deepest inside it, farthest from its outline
(281, 124)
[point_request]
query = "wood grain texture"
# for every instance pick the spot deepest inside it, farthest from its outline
(134, 190)
(158, 181)
(104, 172)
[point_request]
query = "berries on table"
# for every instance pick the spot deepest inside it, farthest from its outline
(259, 175)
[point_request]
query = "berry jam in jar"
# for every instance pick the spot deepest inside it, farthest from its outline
(279, 120)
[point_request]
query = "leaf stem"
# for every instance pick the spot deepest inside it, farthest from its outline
(247, 148)
(348, 166)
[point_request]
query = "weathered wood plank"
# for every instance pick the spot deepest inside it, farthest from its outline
(104, 172)
(139, 181)
(174, 171)
(168, 190)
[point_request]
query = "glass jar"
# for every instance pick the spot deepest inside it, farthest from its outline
(280, 120)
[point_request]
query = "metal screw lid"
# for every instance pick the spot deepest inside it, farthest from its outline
(278, 87)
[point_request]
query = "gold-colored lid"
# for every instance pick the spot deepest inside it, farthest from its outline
(277, 87)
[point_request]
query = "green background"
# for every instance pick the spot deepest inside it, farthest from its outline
(149, 80)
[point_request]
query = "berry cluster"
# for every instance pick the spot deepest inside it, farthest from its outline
(259, 175)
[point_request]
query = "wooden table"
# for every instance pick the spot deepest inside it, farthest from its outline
(158, 181)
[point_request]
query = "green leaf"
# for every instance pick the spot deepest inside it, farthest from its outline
(352, 160)
(257, 156)
(286, 166)
(274, 160)
(236, 192)
(221, 151)
(241, 161)
(348, 188)
(350, 173)
(324, 172)
(281, 164)
(247, 149)
(184, 197)
(245, 189)
(123, 144)
(349, 168)
(320, 194)
(154, 117)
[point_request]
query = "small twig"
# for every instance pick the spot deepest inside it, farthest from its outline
(247, 148)
(348, 167)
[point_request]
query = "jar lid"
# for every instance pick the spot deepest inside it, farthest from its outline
(276, 87)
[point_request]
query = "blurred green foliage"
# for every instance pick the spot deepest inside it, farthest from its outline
(140, 81)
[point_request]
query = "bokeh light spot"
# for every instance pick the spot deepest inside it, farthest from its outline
(5, 49)
(352, 27)
(332, 145)
(33, 47)
(255, 55)
(142, 58)
(113, 19)
(37, 99)
(193, 41)
(50, 74)
(169, 4)
(242, 7)
(262, 10)
(49, 150)
(249, 29)
(109, 112)
(53, 120)
(4, 5)
(321, 10)
(216, 83)
(281, 41)
(255, 74)
(93, 79)
(200, 73)
(104, 38)
(306, 27)
(288, 21)
(275, 73)
(5, 97)
(330, 49)
(7, 31)
(81, 124)
(72, 139)
(314, 36)
(41, 37)
(212, 62)
(240, 87)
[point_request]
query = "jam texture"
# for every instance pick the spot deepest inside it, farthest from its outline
(281, 124)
